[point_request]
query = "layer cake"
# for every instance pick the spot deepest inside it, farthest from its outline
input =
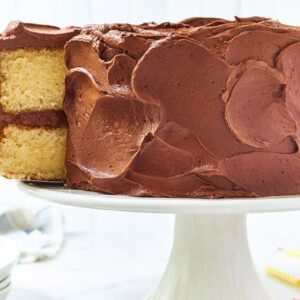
(204, 108)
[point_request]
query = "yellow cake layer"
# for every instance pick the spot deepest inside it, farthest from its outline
(33, 154)
(32, 79)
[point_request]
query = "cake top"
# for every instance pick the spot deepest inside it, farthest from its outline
(202, 108)
(26, 35)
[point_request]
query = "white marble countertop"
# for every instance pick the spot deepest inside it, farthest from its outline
(126, 259)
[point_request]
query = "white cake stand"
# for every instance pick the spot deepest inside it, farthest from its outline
(210, 259)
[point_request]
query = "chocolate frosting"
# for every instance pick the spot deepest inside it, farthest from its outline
(26, 35)
(202, 108)
(49, 119)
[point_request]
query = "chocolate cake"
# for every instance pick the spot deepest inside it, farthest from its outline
(32, 122)
(203, 108)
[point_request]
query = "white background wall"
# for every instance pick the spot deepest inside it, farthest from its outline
(80, 12)
(277, 227)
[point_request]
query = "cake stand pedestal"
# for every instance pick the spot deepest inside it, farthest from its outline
(210, 258)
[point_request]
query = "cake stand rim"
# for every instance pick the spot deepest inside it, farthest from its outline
(102, 201)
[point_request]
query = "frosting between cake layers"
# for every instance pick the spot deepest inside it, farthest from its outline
(34, 119)
(204, 108)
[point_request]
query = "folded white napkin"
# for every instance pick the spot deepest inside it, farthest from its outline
(37, 229)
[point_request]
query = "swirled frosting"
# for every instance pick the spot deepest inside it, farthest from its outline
(202, 108)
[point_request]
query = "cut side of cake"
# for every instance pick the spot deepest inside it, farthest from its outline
(32, 122)
(204, 108)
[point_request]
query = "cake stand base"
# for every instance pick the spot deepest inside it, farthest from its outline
(210, 260)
